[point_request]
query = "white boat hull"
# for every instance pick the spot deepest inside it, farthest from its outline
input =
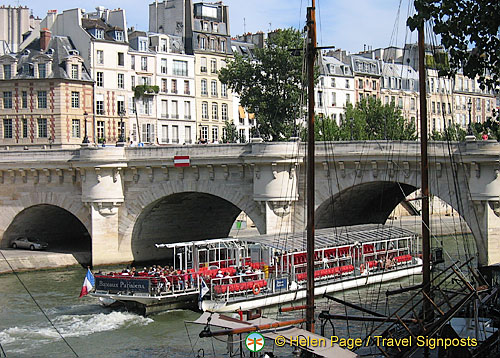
(300, 293)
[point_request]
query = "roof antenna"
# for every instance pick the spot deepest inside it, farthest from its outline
(244, 26)
(269, 27)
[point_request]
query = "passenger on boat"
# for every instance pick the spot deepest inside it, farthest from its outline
(219, 274)
(228, 277)
(388, 263)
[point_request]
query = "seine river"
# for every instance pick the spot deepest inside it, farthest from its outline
(93, 331)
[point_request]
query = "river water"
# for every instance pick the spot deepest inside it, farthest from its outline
(93, 331)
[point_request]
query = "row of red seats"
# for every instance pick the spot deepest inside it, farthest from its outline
(404, 258)
(327, 272)
(371, 264)
(257, 265)
(213, 272)
(256, 286)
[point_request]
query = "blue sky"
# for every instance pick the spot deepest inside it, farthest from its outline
(346, 24)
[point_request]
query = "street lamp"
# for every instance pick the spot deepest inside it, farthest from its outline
(469, 127)
(85, 137)
(121, 138)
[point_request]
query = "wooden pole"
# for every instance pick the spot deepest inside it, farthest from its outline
(311, 58)
(261, 327)
(426, 247)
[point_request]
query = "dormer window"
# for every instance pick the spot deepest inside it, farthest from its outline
(42, 70)
(74, 72)
(215, 27)
(99, 34)
(119, 36)
(7, 72)
(28, 69)
(163, 46)
(143, 45)
(205, 26)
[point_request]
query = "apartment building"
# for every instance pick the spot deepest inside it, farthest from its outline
(335, 88)
(175, 105)
(46, 95)
(399, 85)
(204, 29)
(367, 73)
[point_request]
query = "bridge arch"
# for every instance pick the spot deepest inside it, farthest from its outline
(209, 212)
(60, 228)
(67, 203)
(374, 201)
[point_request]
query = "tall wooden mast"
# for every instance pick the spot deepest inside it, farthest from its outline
(426, 247)
(311, 59)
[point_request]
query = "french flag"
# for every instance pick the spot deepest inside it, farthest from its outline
(88, 284)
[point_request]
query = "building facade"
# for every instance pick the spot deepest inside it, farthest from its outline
(46, 95)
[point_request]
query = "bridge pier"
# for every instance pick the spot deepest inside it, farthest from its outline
(488, 242)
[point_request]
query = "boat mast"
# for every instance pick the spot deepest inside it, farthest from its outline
(426, 247)
(311, 58)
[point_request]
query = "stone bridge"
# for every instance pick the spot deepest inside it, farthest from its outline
(118, 201)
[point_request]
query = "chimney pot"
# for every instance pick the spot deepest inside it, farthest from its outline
(45, 35)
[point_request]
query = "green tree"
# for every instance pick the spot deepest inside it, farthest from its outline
(451, 133)
(469, 32)
(372, 120)
(270, 83)
(231, 135)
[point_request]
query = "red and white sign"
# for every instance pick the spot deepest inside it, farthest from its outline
(181, 161)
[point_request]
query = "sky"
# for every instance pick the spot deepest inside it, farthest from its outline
(345, 24)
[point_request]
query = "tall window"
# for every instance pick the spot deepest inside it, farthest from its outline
(412, 104)
(7, 128)
(174, 86)
(223, 46)
(148, 133)
(163, 66)
(100, 130)
(120, 105)
(164, 85)
(347, 84)
(204, 110)
(187, 134)
(75, 99)
(100, 57)
(164, 133)
(186, 87)
(320, 99)
(242, 136)
(144, 63)
(203, 43)
(164, 108)
(187, 110)
(42, 99)
(75, 128)
(374, 84)
(121, 80)
(360, 84)
(99, 107)
(224, 111)
(100, 79)
(214, 88)
(74, 72)
(175, 134)
(25, 128)
(215, 133)
(175, 109)
(223, 90)
(163, 45)
(132, 62)
(121, 59)
(204, 91)
(42, 70)
(7, 100)
(213, 66)
(7, 72)
(180, 68)
(204, 133)
(334, 99)
(215, 111)
(347, 98)
(333, 82)
(42, 128)
(203, 64)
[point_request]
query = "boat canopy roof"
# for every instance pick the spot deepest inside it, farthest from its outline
(332, 237)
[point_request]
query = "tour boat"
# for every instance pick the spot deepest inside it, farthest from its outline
(234, 275)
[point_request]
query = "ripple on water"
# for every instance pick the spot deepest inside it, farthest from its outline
(69, 326)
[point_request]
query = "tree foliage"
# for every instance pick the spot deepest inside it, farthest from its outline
(368, 120)
(469, 32)
(231, 134)
(270, 84)
(451, 133)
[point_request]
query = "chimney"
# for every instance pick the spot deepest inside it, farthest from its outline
(44, 39)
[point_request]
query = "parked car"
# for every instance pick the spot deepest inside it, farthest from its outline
(29, 243)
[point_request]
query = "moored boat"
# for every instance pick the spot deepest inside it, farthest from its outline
(242, 274)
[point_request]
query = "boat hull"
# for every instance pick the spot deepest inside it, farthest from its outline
(147, 305)
(299, 294)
